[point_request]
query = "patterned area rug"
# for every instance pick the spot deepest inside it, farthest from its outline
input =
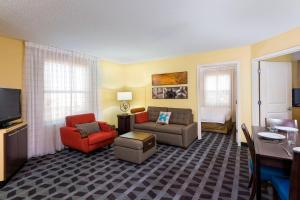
(212, 168)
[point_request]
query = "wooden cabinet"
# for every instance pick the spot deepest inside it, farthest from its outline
(123, 124)
(22, 145)
(13, 144)
(11, 154)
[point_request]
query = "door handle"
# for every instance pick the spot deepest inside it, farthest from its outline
(289, 108)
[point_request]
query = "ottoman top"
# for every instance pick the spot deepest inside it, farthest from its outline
(137, 136)
(134, 140)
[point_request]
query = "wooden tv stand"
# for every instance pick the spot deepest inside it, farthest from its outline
(13, 149)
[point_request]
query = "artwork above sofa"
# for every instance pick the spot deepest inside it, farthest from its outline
(175, 78)
(170, 92)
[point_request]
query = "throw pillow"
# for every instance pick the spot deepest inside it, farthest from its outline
(87, 128)
(163, 118)
(141, 117)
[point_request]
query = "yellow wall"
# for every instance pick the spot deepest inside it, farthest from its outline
(112, 81)
(284, 58)
(277, 43)
(296, 74)
(138, 78)
(11, 62)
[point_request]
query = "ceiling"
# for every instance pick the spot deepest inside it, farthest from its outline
(129, 31)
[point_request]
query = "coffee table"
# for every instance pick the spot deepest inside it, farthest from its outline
(135, 147)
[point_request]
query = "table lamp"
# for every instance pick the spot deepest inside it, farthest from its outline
(124, 97)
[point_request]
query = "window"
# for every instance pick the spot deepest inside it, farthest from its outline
(217, 88)
(66, 90)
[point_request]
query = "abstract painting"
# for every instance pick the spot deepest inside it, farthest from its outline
(170, 92)
(175, 78)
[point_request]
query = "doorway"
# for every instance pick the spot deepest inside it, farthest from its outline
(218, 90)
(274, 78)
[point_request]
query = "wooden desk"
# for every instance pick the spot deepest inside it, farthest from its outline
(270, 154)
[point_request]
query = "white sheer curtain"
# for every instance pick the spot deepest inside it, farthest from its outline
(218, 88)
(57, 83)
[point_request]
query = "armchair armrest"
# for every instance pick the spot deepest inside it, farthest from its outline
(69, 134)
(105, 126)
(190, 133)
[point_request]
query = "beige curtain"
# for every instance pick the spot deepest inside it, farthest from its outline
(57, 83)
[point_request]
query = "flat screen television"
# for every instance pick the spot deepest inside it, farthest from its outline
(10, 105)
(296, 97)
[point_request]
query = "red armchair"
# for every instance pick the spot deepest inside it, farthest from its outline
(70, 136)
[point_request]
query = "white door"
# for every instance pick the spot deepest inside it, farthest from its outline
(276, 90)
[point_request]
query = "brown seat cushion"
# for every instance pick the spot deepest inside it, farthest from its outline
(170, 128)
(151, 126)
(153, 112)
(182, 116)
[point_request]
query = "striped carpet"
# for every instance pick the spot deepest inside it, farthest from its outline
(212, 168)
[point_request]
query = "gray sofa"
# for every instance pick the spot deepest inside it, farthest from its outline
(181, 130)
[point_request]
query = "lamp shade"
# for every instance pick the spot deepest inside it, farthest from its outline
(123, 96)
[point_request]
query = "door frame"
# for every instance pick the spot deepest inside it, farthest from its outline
(238, 105)
(255, 90)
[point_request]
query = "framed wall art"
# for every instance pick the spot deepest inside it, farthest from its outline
(180, 92)
(175, 78)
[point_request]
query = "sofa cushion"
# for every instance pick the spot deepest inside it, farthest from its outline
(163, 118)
(141, 117)
(87, 128)
(95, 138)
(151, 126)
(170, 128)
(182, 116)
(153, 112)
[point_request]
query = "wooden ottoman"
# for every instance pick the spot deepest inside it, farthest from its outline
(135, 147)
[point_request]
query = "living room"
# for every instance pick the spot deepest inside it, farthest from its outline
(202, 168)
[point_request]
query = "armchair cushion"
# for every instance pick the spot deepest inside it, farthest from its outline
(87, 128)
(71, 121)
(95, 138)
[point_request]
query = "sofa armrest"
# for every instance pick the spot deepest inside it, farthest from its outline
(132, 121)
(190, 133)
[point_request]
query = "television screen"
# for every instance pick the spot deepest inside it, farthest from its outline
(10, 104)
(296, 97)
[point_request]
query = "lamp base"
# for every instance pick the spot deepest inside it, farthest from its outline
(124, 106)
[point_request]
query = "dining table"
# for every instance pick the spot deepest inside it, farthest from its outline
(273, 153)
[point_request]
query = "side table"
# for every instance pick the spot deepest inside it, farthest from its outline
(123, 123)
